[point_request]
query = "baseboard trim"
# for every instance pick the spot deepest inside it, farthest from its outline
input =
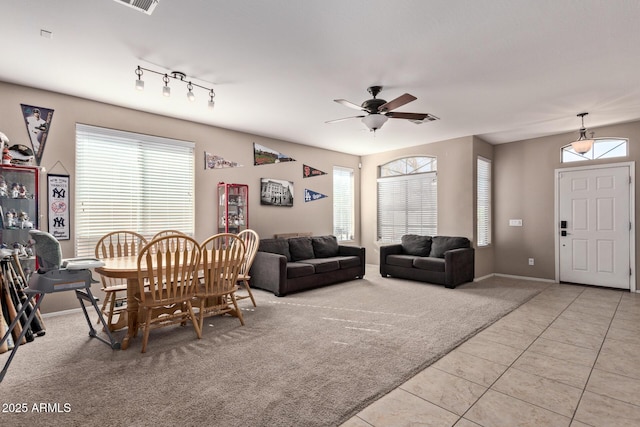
(61, 313)
(536, 279)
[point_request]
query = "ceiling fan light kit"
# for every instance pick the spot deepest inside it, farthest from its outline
(379, 111)
(374, 121)
(583, 144)
(178, 76)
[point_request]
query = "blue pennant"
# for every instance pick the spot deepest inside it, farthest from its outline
(310, 196)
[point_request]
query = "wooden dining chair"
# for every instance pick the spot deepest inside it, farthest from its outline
(251, 242)
(117, 244)
(222, 257)
(167, 279)
(167, 233)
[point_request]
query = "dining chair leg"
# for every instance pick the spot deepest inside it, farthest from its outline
(201, 314)
(195, 321)
(235, 305)
(147, 329)
(248, 288)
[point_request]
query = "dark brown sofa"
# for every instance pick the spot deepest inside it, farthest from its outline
(442, 260)
(284, 266)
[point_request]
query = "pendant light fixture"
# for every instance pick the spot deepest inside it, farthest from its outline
(583, 144)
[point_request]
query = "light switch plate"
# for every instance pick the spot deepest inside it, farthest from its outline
(515, 223)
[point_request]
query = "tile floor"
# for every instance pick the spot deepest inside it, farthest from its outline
(568, 357)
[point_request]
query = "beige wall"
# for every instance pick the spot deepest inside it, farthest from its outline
(524, 187)
(316, 217)
(456, 189)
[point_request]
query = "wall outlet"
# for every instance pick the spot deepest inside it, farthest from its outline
(515, 223)
(531, 262)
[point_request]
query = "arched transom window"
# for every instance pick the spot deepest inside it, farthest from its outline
(603, 148)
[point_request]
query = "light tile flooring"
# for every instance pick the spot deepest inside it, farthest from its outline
(568, 357)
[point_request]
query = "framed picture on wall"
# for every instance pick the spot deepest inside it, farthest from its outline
(276, 192)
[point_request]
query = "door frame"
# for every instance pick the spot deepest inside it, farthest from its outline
(632, 214)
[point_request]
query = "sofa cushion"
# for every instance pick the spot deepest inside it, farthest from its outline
(322, 265)
(296, 269)
(401, 260)
(275, 246)
(413, 244)
(300, 248)
(441, 244)
(325, 246)
(429, 263)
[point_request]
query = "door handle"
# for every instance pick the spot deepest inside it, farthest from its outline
(564, 233)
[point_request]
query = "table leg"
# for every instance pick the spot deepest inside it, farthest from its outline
(132, 312)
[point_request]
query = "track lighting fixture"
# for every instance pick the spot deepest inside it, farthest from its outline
(175, 75)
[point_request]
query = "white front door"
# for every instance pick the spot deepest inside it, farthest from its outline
(594, 226)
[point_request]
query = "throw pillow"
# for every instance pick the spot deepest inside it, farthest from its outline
(441, 244)
(275, 246)
(413, 244)
(325, 246)
(300, 248)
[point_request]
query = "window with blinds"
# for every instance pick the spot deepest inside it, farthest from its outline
(343, 204)
(407, 204)
(483, 202)
(129, 181)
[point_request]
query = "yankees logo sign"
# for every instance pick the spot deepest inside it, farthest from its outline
(58, 197)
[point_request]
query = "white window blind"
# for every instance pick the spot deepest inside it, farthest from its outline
(483, 201)
(407, 204)
(129, 181)
(343, 204)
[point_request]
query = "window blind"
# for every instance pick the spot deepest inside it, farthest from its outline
(343, 203)
(130, 181)
(407, 204)
(483, 205)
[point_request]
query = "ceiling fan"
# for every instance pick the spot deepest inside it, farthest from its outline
(379, 110)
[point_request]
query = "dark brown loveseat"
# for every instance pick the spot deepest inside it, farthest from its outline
(284, 266)
(442, 260)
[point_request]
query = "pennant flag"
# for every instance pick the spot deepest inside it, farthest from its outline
(264, 156)
(212, 161)
(309, 172)
(311, 196)
(38, 122)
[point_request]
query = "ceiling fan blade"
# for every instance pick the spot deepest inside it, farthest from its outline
(398, 102)
(344, 118)
(412, 116)
(349, 104)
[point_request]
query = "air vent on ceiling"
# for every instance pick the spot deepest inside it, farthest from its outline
(145, 6)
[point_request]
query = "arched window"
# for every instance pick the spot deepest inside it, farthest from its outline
(407, 198)
(603, 148)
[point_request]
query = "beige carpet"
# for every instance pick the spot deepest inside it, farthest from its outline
(309, 359)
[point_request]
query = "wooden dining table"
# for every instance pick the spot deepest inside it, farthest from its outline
(127, 268)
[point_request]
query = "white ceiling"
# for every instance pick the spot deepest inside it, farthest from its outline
(504, 70)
